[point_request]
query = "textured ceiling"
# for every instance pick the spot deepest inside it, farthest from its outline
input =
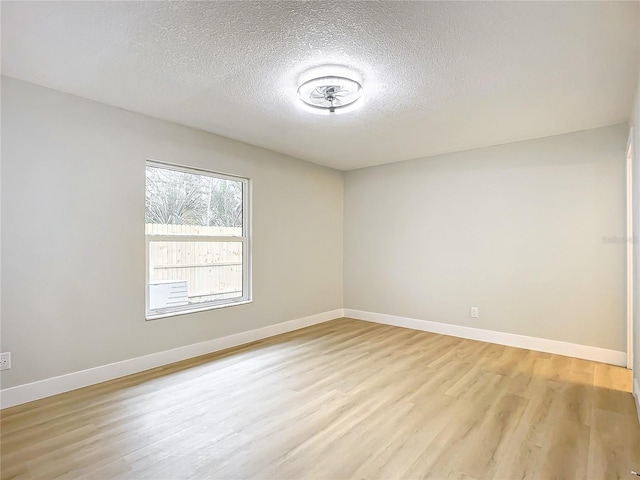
(438, 76)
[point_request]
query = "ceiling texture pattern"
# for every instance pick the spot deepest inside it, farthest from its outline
(437, 76)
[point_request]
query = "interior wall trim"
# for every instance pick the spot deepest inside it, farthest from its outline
(587, 352)
(636, 395)
(29, 392)
(55, 385)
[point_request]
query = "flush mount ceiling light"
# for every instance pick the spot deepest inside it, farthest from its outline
(330, 93)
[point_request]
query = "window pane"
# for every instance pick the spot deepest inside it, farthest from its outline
(188, 273)
(192, 204)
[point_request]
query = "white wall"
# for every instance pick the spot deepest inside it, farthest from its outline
(73, 233)
(635, 124)
(516, 230)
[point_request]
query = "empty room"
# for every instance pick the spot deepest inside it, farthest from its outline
(320, 240)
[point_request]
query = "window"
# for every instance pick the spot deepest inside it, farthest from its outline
(197, 237)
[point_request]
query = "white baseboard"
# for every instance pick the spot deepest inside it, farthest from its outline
(636, 395)
(613, 357)
(64, 383)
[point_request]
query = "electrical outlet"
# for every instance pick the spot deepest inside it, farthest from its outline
(474, 312)
(5, 361)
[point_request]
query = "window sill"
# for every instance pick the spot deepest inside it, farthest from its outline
(194, 310)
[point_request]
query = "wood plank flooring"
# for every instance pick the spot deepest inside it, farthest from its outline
(344, 399)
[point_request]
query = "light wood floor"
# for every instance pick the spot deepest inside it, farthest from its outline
(344, 399)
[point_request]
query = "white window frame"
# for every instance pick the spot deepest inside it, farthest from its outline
(245, 239)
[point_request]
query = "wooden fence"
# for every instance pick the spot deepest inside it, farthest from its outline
(213, 270)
